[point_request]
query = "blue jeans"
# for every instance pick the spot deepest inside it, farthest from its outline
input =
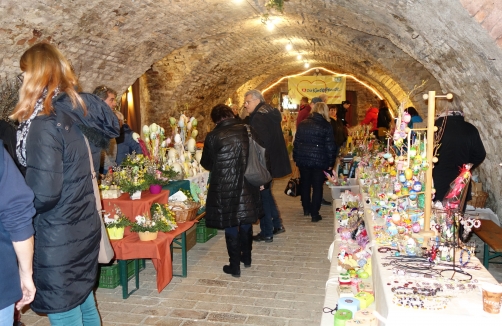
(234, 230)
(85, 314)
(311, 179)
(7, 315)
(271, 219)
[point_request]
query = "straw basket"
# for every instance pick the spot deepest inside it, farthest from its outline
(185, 212)
(479, 199)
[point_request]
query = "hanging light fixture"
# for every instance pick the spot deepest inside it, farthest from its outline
(307, 64)
(299, 56)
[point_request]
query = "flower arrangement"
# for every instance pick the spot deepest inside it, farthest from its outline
(118, 220)
(154, 223)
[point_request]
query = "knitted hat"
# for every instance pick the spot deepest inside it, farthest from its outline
(316, 100)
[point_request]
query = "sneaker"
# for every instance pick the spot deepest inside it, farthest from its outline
(260, 238)
(279, 230)
(324, 202)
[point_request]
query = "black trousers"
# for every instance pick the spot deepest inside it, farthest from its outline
(312, 181)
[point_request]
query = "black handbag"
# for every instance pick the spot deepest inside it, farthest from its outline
(293, 187)
(256, 172)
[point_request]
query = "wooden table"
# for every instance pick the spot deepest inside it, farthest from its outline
(159, 250)
(491, 235)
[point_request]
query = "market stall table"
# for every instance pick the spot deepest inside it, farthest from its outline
(132, 208)
(159, 250)
(464, 309)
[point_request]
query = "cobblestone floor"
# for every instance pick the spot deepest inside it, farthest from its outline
(284, 285)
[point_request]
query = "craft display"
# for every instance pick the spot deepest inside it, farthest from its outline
(116, 224)
(160, 218)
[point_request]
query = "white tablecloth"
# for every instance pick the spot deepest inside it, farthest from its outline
(465, 309)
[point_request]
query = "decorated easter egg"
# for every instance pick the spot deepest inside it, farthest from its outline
(154, 127)
(181, 122)
(387, 155)
(195, 132)
(177, 138)
(177, 167)
(135, 136)
(417, 186)
(408, 173)
(191, 145)
(412, 194)
(406, 117)
(172, 153)
(146, 129)
(402, 177)
(392, 229)
(194, 122)
(405, 191)
(390, 160)
(434, 159)
(413, 152)
(415, 227)
(172, 121)
(396, 217)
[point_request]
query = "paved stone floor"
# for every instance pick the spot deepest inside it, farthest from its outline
(284, 286)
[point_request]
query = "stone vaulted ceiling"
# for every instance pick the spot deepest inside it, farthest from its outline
(200, 52)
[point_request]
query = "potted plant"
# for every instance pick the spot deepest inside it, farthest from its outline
(130, 175)
(116, 224)
(157, 177)
(148, 225)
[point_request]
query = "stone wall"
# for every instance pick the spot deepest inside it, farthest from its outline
(190, 55)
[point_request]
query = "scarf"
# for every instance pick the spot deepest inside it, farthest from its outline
(24, 127)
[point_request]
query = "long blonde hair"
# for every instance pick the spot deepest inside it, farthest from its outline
(44, 67)
(322, 109)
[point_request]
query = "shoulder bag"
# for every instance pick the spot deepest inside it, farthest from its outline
(256, 172)
(105, 248)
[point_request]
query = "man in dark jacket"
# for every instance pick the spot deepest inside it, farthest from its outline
(232, 203)
(266, 121)
(460, 144)
(16, 239)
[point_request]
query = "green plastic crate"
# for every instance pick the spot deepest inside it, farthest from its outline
(204, 233)
(109, 275)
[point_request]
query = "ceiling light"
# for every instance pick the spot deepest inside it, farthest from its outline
(289, 46)
(306, 65)
(299, 57)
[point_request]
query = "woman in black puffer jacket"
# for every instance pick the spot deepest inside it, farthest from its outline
(53, 149)
(232, 203)
(314, 152)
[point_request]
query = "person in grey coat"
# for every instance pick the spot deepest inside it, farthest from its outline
(232, 203)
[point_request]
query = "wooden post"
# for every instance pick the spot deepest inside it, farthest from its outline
(426, 232)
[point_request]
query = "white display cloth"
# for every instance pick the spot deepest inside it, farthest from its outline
(464, 309)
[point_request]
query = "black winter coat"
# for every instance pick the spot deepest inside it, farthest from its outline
(266, 121)
(460, 144)
(126, 144)
(231, 200)
(67, 226)
(314, 144)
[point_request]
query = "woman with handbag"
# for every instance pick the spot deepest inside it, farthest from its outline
(53, 149)
(232, 202)
(314, 152)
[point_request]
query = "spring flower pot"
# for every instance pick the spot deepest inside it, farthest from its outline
(147, 236)
(135, 195)
(115, 233)
(155, 189)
